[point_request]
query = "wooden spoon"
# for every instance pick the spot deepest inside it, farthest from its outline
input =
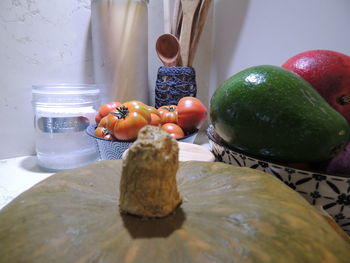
(189, 8)
(198, 25)
(168, 50)
(177, 18)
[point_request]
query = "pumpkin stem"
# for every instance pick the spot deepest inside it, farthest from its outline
(148, 184)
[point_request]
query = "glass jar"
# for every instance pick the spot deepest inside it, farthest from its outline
(120, 49)
(61, 115)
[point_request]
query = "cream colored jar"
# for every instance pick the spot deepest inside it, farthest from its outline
(120, 36)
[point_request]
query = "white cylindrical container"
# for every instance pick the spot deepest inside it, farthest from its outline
(61, 115)
(120, 49)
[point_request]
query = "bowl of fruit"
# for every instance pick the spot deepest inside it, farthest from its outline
(271, 119)
(117, 124)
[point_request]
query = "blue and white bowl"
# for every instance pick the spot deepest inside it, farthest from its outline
(113, 150)
(329, 191)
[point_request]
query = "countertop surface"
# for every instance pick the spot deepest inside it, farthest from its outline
(17, 175)
(21, 173)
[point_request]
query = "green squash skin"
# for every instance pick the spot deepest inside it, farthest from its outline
(228, 214)
(269, 112)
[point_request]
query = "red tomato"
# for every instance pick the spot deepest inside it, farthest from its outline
(100, 132)
(140, 107)
(135, 102)
(112, 117)
(106, 108)
(174, 130)
(127, 128)
(168, 114)
(98, 118)
(103, 122)
(191, 113)
(155, 115)
(152, 110)
(123, 111)
(109, 137)
(155, 119)
(126, 121)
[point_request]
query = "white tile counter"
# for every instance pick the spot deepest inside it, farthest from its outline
(17, 175)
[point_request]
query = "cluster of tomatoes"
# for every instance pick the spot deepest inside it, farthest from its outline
(123, 121)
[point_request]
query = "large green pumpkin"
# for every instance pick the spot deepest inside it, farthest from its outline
(228, 214)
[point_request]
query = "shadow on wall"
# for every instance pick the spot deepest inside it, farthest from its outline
(229, 20)
(87, 70)
(216, 49)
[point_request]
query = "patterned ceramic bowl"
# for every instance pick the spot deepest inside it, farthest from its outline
(112, 150)
(329, 191)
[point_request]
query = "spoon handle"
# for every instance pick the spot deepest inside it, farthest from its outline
(185, 39)
(189, 8)
(176, 18)
(199, 25)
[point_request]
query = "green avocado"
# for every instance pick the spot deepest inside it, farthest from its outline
(269, 112)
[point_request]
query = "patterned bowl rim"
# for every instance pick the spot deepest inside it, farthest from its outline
(218, 141)
(90, 131)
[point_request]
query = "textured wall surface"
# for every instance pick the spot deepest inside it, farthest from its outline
(40, 42)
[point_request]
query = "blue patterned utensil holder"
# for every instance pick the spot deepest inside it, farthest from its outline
(174, 83)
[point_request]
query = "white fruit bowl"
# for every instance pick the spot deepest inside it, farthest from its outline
(329, 191)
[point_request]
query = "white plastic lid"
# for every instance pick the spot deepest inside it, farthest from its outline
(63, 94)
(63, 89)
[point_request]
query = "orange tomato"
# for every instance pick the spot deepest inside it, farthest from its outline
(152, 110)
(100, 132)
(103, 122)
(126, 129)
(127, 120)
(174, 130)
(98, 118)
(140, 107)
(155, 115)
(106, 108)
(168, 114)
(109, 137)
(155, 120)
(112, 117)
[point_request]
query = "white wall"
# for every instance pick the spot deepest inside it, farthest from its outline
(49, 41)
(249, 33)
(41, 41)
